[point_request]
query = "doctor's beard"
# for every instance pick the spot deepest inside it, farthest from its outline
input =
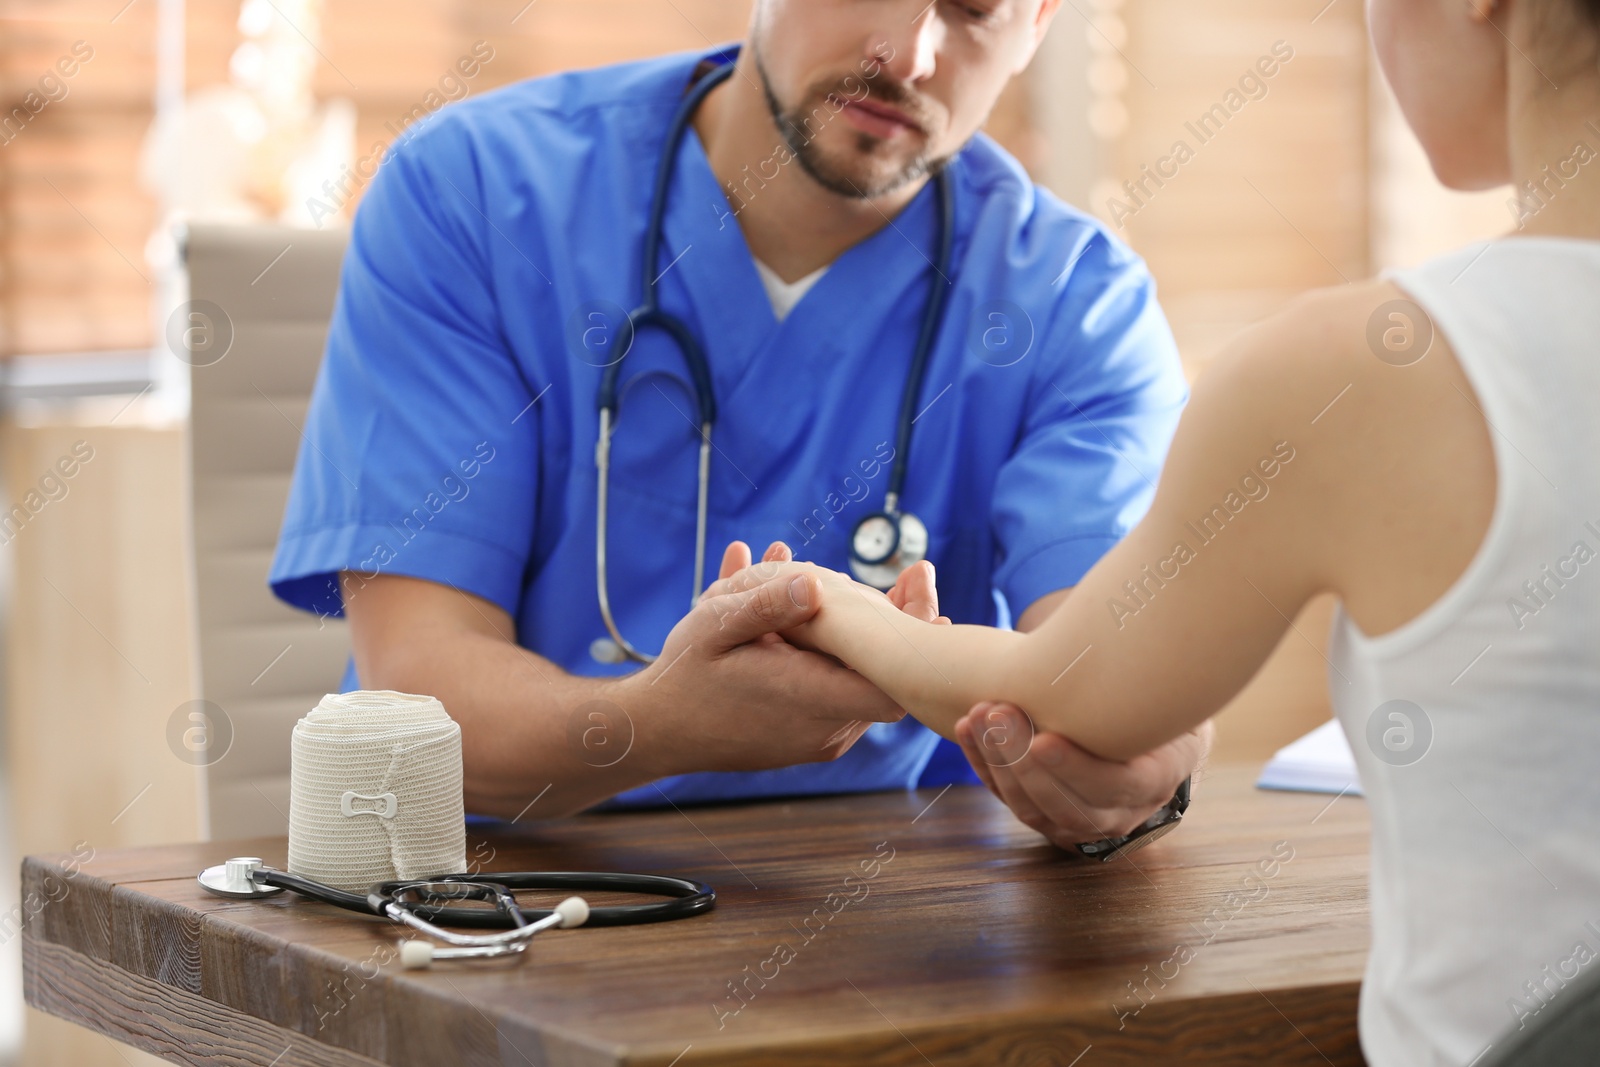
(864, 173)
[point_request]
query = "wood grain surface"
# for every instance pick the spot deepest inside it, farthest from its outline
(883, 929)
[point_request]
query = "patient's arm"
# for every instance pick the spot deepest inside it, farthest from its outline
(1156, 637)
(1303, 464)
(1056, 787)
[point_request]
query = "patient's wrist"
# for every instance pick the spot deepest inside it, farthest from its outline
(837, 627)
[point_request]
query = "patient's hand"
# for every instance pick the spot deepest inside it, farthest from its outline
(915, 593)
(1065, 793)
(738, 574)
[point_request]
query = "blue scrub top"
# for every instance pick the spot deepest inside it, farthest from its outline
(451, 435)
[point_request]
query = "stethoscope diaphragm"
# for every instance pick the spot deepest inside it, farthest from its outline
(886, 545)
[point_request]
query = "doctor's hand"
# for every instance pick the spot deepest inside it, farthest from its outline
(1064, 792)
(729, 694)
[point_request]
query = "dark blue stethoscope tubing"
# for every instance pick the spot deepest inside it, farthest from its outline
(650, 312)
(927, 337)
(932, 316)
(693, 355)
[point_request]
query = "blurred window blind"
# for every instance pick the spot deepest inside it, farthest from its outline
(74, 220)
(1270, 193)
(77, 90)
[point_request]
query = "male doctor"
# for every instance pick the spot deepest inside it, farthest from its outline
(447, 494)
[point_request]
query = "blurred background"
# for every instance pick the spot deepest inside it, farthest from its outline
(126, 124)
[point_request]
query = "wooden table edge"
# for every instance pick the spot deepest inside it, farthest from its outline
(188, 1028)
(128, 1007)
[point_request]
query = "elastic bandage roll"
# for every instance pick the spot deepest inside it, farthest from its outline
(375, 791)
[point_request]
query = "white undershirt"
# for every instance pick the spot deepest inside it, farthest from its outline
(785, 295)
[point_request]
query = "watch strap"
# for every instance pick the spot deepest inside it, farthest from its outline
(1157, 826)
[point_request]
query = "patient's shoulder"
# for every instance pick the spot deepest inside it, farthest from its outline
(1391, 435)
(1343, 360)
(1287, 374)
(1322, 328)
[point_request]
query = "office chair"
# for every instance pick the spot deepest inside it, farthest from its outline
(260, 299)
(1565, 1033)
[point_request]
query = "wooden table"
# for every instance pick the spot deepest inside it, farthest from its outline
(904, 928)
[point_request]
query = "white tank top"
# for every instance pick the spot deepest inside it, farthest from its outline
(1485, 886)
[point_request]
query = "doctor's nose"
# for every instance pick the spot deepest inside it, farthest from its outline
(908, 48)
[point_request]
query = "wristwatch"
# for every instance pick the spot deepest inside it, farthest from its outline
(1156, 826)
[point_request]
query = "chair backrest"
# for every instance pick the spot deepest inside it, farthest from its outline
(1564, 1032)
(260, 299)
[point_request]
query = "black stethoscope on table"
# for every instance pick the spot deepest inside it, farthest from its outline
(426, 905)
(884, 544)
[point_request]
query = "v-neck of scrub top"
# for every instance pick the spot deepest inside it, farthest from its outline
(785, 295)
(708, 267)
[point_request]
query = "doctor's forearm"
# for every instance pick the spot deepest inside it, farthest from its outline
(536, 742)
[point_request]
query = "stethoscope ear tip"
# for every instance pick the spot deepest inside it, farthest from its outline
(416, 955)
(574, 911)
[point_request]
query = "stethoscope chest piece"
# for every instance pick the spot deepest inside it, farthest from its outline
(885, 545)
(233, 879)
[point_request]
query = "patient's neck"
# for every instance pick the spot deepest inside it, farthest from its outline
(1555, 146)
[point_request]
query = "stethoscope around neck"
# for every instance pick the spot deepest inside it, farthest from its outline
(883, 545)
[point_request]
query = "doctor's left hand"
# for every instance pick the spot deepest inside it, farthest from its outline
(1065, 793)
